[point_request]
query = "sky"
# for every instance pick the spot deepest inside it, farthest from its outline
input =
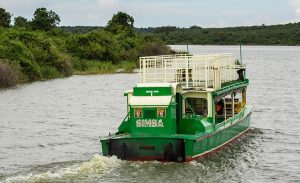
(154, 13)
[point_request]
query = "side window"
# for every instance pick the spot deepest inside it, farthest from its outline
(240, 100)
(226, 106)
(198, 105)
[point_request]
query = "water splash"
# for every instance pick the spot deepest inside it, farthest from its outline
(97, 166)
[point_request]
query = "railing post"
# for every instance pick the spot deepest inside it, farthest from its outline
(206, 69)
(155, 62)
(165, 69)
(144, 71)
(232, 103)
(141, 70)
(187, 72)
(225, 115)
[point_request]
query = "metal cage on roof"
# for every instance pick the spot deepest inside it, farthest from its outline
(199, 72)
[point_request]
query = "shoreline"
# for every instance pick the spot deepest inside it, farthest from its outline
(76, 73)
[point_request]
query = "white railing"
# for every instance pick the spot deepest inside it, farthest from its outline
(192, 71)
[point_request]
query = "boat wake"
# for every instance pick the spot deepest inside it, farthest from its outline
(94, 168)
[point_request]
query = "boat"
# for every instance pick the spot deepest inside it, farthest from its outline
(185, 107)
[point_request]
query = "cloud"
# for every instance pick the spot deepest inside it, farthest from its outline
(214, 13)
(295, 4)
(108, 3)
(20, 7)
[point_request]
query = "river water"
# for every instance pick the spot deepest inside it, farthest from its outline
(49, 131)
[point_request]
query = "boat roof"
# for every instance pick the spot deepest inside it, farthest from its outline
(150, 100)
(205, 72)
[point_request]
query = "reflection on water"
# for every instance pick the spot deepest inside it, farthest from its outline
(49, 131)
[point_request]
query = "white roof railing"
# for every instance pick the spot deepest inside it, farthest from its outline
(192, 71)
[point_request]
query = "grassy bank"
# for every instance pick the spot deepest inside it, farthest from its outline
(36, 49)
(37, 55)
(96, 67)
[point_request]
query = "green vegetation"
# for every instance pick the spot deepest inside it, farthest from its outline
(121, 23)
(288, 34)
(21, 22)
(4, 18)
(37, 50)
(44, 20)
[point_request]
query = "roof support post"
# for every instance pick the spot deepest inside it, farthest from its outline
(187, 72)
(144, 71)
(232, 103)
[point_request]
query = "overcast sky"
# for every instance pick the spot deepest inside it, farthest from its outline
(153, 13)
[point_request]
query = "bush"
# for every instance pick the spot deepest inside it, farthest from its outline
(8, 75)
(78, 64)
(96, 45)
(97, 67)
(126, 66)
(154, 48)
(49, 72)
(31, 69)
(34, 50)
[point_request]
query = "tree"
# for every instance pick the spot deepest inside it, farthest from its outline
(121, 23)
(21, 21)
(5, 18)
(195, 27)
(44, 20)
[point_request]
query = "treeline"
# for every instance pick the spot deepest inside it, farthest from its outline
(288, 34)
(36, 49)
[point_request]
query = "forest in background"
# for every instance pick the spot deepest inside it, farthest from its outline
(286, 34)
(36, 49)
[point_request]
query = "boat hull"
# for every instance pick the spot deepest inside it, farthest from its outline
(176, 148)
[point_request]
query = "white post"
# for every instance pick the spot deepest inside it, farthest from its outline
(141, 70)
(187, 72)
(144, 70)
(232, 103)
(165, 65)
(206, 79)
(224, 101)
(155, 68)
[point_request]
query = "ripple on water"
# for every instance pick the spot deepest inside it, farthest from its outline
(61, 120)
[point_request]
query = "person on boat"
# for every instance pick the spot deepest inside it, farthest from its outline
(219, 107)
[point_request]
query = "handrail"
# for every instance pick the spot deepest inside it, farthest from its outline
(200, 72)
(232, 119)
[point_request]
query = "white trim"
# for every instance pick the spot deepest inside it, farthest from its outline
(150, 100)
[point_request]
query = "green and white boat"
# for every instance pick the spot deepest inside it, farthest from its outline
(184, 108)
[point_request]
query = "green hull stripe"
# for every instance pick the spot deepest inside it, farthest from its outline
(225, 143)
(237, 121)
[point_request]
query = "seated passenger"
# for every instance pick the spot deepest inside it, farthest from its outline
(219, 107)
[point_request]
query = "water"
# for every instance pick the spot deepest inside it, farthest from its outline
(49, 131)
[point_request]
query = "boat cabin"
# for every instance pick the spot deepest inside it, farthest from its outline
(184, 107)
(185, 94)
